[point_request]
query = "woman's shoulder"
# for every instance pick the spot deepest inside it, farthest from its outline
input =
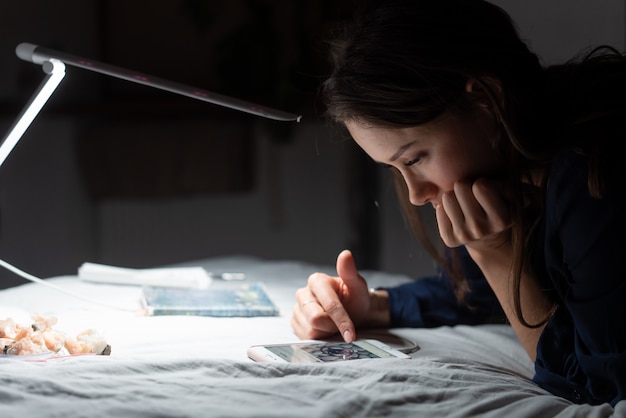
(591, 155)
(570, 191)
(567, 168)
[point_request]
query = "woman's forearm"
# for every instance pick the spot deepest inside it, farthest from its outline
(536, 306)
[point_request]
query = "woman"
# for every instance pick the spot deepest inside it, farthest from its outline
(520, 164)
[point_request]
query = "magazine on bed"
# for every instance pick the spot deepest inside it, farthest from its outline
(234, 299)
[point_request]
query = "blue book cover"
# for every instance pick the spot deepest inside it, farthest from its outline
(240, 299)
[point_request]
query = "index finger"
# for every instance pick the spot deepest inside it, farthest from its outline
(328, 298)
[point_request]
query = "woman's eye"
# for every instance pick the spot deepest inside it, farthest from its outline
(413, 161)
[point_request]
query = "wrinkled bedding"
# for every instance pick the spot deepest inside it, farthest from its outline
(185, 366)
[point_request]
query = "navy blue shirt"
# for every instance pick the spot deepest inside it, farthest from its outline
(581, 354)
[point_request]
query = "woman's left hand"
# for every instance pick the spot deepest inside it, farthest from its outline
(474, 214)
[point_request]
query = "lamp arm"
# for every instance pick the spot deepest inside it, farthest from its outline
(55, 71)
(38, 55)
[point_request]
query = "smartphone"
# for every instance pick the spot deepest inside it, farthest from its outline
(323, 352)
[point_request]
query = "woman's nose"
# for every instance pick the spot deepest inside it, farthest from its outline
(421, 192)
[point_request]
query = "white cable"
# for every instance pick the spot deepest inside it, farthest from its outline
(34, 279)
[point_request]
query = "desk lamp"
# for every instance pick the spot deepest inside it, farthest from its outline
(53, 64)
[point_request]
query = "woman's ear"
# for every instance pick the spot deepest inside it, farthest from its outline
(487, 91)
(487, 87)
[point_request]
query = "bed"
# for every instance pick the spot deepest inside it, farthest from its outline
(188, 366)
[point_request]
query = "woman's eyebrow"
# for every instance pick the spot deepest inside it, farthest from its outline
(400, 151)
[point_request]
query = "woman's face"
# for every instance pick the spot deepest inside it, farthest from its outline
(433, 156)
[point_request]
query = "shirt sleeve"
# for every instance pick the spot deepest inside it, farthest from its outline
(581, 354)
(430, 301)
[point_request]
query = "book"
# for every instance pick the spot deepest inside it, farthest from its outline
(237, 299)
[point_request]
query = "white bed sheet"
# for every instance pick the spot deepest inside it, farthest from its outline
(185, 366)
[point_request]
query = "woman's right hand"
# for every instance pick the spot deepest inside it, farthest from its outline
(331, 304)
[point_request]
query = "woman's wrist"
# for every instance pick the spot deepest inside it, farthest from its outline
(378, 315)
